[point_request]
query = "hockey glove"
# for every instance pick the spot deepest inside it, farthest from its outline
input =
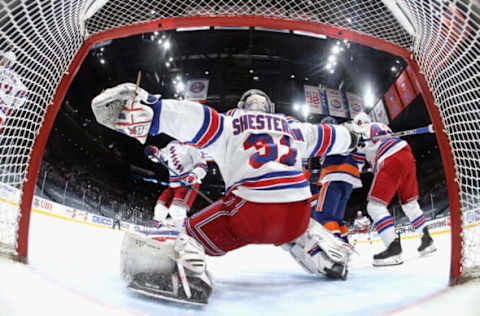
(120, 108)
(355, 136)
(153, 153)
(190, 179)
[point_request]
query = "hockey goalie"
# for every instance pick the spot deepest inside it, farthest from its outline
(267, 198)
(165, 264)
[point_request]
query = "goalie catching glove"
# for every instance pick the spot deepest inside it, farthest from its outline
(124, 109)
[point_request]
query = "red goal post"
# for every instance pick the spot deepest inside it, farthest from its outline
(51, 39)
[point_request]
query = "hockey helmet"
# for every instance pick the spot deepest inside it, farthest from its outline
(256, 100)
(359, 213)
(328, 120)
(362, 118)
(7, 58)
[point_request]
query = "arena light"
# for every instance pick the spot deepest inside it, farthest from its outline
(368, 98)
(166, 45)
(305, 110)
(180, 86)
(336, 49)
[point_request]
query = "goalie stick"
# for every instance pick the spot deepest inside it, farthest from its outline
(415, 131)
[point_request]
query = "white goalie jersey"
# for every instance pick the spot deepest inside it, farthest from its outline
(259, 154)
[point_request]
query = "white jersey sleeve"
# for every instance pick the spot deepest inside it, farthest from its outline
(259, 154)
(323, 139)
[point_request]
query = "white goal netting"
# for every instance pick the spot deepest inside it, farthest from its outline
(46, 35)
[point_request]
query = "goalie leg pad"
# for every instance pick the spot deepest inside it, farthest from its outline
(167, 265)
(321, 253)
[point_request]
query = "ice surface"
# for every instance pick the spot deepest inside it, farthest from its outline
(74, 270)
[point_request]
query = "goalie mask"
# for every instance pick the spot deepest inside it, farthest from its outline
(256, 100)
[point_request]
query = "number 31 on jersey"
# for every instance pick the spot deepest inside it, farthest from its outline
(267, 150)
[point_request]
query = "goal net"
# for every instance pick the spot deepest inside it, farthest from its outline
(438, 39)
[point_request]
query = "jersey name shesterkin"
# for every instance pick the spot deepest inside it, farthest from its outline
(259, 154)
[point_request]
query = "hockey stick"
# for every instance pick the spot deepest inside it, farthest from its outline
(137, 85)
(415, 131)
(183, 184)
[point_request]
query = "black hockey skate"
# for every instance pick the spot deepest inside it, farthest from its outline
(170, 288)
(390, 256)
(426, 246)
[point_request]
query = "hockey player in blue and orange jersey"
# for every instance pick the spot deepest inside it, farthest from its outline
(259, 154)
(339, 176)
(394, 171)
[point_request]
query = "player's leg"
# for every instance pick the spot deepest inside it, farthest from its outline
(408, 194)
(179, 207)
(233, 222)
(160, 211)
(383, 188)
(328, 202)
(191, 196)
(339, 213)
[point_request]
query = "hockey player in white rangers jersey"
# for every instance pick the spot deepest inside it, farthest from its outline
(190, 168)
(260, 158)
(12, 90)
(361, 225)
(394, 170)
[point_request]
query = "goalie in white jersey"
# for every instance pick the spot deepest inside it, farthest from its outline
(259, 155)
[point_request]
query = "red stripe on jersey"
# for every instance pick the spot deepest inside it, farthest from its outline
(212, 129)
(327, 138)
(269, 182)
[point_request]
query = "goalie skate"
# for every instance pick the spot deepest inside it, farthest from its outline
(170, 288)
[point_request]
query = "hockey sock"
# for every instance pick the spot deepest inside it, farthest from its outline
(383, 221)
(415, 214)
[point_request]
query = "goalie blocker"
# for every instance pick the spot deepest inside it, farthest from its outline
(165, 264)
